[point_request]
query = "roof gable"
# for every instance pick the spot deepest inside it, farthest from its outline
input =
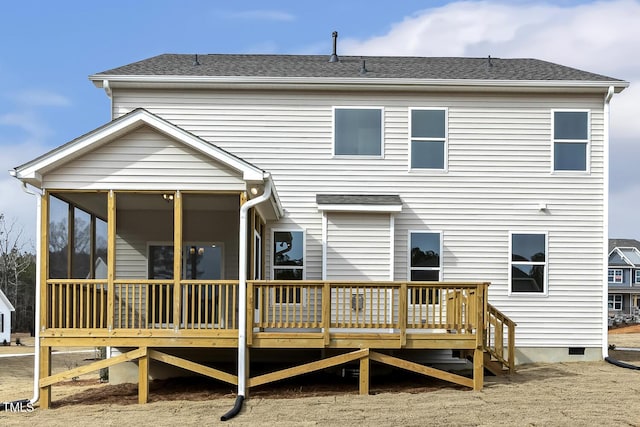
(33, 171)
(5, 301)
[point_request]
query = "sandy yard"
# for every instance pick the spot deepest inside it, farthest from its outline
(594, 393)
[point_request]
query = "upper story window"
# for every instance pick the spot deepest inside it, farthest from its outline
(358, 131)
(428, 139)
(528, 262)
(615, 275)
(637, 276)
(570, 140)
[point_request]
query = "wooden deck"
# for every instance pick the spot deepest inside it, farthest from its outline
(359, 320)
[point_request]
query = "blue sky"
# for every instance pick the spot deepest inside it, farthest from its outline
(48, 48)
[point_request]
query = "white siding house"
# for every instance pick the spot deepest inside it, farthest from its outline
(6, 308)
(450, 170)
(497, 179)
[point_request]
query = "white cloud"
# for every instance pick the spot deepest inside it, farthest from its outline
(41, 98)
(29, 123)
(262, 15)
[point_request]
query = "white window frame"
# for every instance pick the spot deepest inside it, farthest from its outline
(615, 300)
(333, 132)
(272, 298)
(614, 275)
(587, 141)
(545, 291)
(410, 268)
(637, 276)
(446, 139)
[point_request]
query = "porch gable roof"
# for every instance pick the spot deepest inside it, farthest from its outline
(32, 172)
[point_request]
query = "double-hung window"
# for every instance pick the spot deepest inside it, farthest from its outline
(288, 263)
(528, 262)
(425, 249)
(358, 131)
(615, 275)
(570, 140)
(428, 145)
(615, 302)
(637, 276)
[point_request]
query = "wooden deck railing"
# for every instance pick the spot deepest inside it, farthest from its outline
(366, 305)
(284, 306)
(141, 304)
(149, 304)
(77, 304)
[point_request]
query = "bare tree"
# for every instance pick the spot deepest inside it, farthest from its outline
(14, 261)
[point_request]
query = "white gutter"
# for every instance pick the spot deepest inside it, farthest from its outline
(242, 284)
(605, 242)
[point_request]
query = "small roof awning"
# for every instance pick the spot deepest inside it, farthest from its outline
(378, 203)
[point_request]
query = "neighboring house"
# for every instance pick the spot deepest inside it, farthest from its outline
(6, 308)
(388, 192)
(624, 276)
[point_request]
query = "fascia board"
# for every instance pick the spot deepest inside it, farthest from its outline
(351, 83)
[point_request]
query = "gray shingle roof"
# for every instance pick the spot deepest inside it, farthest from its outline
(358, 199)
(223, 65)
(623, 243)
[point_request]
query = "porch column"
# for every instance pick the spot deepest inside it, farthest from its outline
(177, 258)
(111, 258)
(45, 352)
(45, 308)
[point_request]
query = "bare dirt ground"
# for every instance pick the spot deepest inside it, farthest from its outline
(581, 393)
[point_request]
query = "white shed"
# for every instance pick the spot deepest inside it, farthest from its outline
(5, 318)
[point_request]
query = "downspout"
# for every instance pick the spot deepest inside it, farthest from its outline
(242, 299)
(605, 243)
(6, 406)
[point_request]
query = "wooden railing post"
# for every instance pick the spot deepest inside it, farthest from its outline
(250, 312)
(326, 312)
(111, 258)
(403, 312)
(511, 344)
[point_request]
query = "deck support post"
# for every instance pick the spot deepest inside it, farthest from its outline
(143, 377)
(45, 371)
(478, 369)
(364, 375)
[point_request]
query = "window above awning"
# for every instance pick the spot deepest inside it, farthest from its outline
(380, 203)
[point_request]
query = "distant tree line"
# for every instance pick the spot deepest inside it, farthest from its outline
(17, 275)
